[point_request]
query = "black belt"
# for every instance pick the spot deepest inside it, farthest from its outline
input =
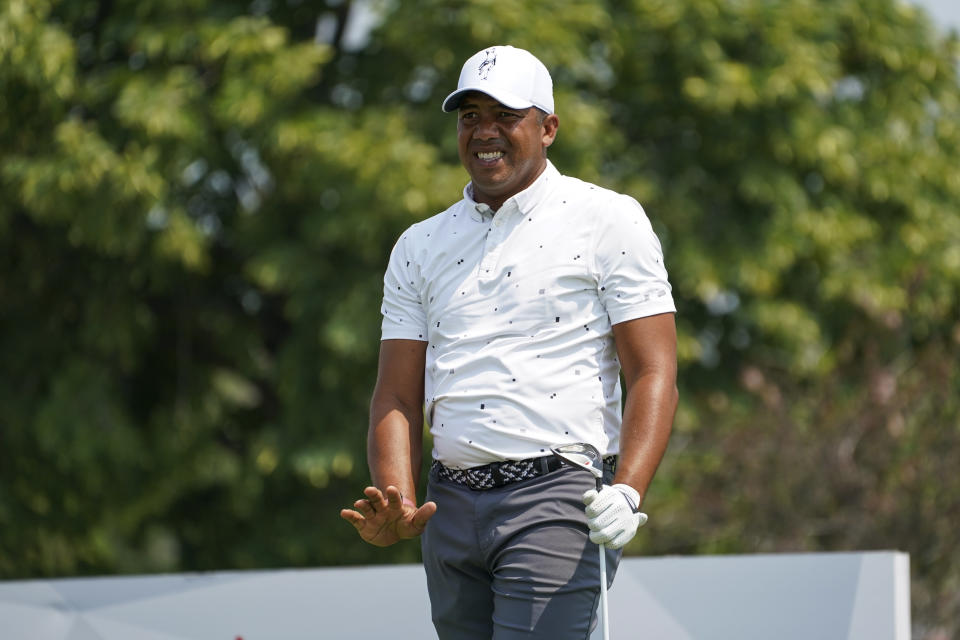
(498, 474)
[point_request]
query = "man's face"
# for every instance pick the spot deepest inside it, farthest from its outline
(503, 149)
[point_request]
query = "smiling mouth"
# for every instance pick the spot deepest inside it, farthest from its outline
(489, 155)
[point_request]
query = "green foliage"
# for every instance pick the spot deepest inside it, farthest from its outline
(199, 198)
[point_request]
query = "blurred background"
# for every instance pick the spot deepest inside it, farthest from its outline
(198, 199)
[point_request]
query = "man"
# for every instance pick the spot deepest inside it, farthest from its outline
(509, 318)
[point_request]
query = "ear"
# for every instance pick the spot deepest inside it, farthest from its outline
(549, 129)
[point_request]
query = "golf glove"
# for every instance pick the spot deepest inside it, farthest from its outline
(613, 514)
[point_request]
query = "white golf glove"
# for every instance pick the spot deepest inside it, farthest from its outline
(613, 514)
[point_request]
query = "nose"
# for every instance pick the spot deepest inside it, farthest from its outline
(486, 129)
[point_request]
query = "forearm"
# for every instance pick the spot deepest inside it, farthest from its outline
(384, 516)
(394, 445)
(647, 421)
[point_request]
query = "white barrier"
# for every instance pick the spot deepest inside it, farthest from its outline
(822, 596)
(832, 596)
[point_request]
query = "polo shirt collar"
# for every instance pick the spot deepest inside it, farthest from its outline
(525, 201)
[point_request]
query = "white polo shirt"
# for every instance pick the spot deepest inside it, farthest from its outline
(517, 309)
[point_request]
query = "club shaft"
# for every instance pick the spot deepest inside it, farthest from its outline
(605, 619)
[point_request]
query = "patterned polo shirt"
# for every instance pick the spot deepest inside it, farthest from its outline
(516, 307)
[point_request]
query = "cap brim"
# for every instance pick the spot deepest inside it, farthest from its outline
(507, 99)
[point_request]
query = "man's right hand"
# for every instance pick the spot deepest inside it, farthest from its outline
(382, 518)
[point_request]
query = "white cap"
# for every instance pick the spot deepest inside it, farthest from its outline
(513, 77)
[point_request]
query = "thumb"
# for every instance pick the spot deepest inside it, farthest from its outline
(589, 496)
(424, 513)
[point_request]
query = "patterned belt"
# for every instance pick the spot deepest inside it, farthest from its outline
(498, 474)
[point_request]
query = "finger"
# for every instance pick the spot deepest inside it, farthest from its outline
(423, 514)
(607, 517)
(590, 496)
(375, 498)
(364, 507)
(621, 539)
(394, 498)
(618, 541)
(597, 537)
(599, 524)
(353, 517)
(606, 535)
(601, 520)
(596, 508)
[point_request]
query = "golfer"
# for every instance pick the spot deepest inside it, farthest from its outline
(507, 321)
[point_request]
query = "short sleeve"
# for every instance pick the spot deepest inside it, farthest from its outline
(403, 315)
(628, 261)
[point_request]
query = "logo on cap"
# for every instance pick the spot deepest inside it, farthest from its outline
(487, 65)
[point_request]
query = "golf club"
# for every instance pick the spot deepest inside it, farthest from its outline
(586, 456)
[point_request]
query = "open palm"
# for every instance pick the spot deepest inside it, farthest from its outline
(382, 519)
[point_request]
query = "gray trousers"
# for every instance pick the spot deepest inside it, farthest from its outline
(513, 562)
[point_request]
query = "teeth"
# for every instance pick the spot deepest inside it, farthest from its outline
(489, 155)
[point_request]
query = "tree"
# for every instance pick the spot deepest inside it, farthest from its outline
(801, 157)
(200, 198)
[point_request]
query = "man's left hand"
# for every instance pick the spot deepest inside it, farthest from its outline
(613, 514)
